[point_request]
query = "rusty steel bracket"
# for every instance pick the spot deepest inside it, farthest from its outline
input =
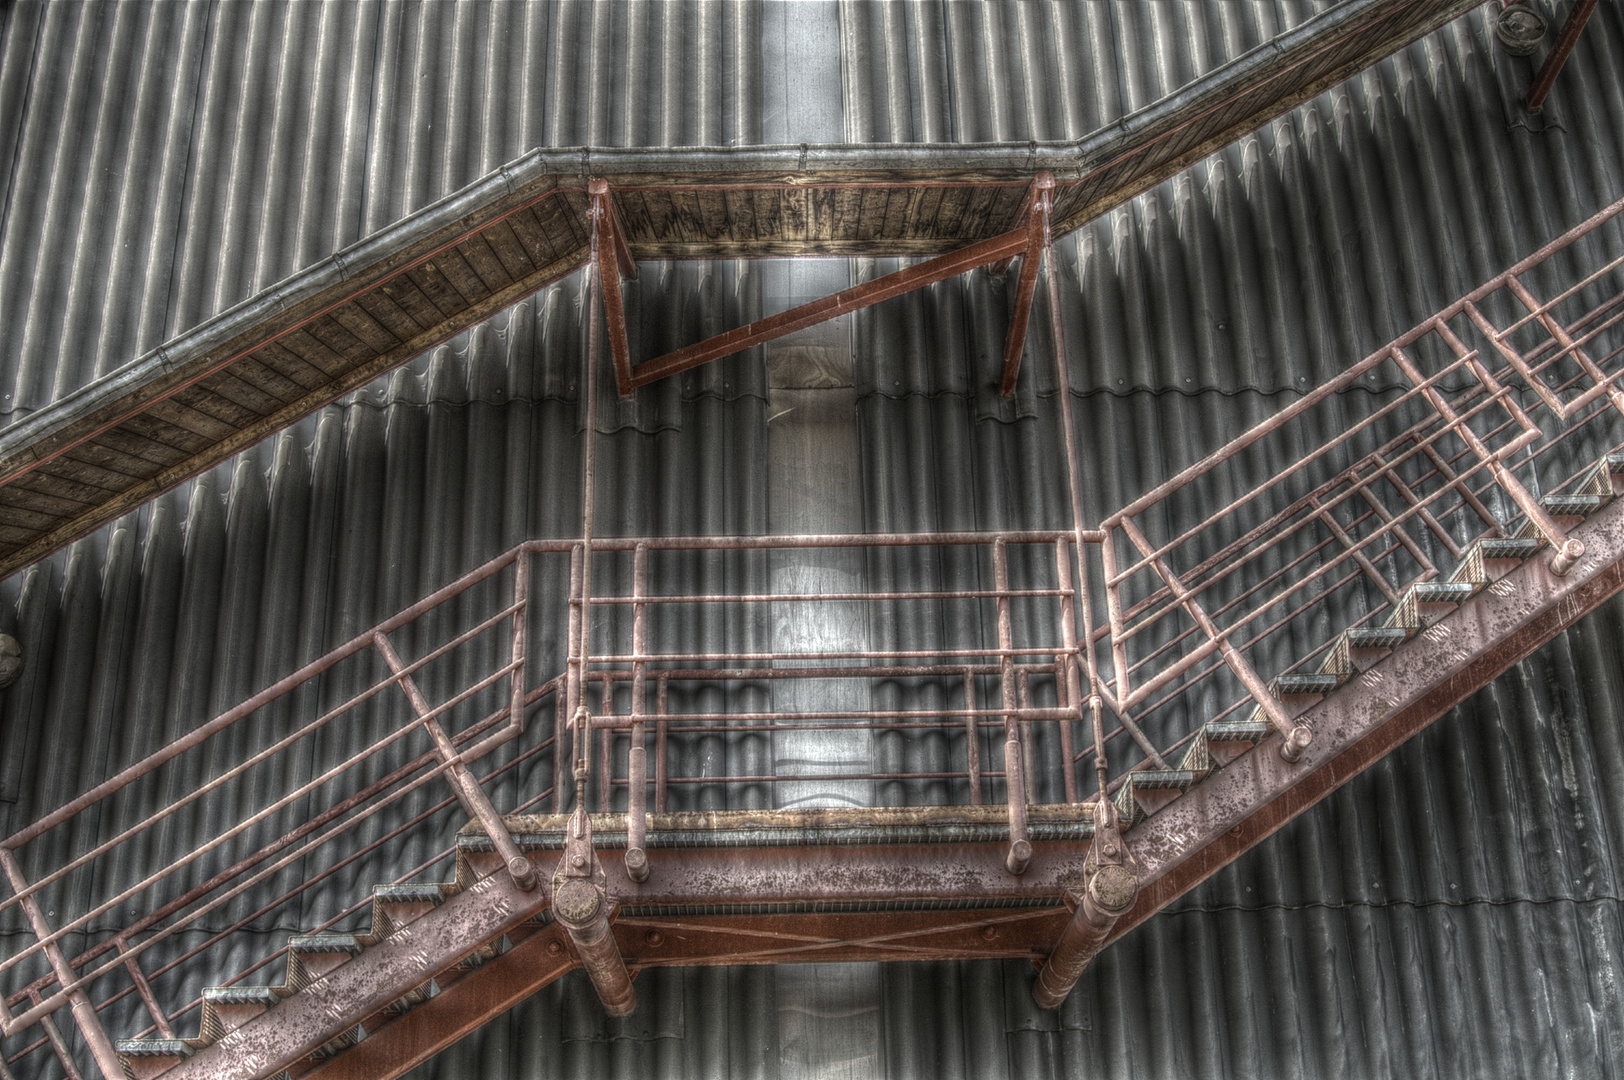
(1558, 56)
(1031, 211)
(1110, 886)
(614, 262)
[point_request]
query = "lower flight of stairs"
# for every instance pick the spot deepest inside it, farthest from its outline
(1146, 791)
(503, 917)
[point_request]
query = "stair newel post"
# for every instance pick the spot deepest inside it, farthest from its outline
(581, 893)
(1568, 550)
(475, 803)
(637, 756)
(1020, 848)
(1112, 885)
(84, 1013)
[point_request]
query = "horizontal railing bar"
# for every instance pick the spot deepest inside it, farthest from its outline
(619, 722)
(261, 815)
(256, 759)
(776, 598)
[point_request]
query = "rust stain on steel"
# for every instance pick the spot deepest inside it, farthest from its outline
(262, 1047)
(458, 1009)
(1558, 56)
(1256, 795)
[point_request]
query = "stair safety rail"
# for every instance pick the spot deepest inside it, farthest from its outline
(1417, 476)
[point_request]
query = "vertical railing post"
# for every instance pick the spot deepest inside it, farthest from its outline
(662, 759)
(637, 756)
(474, 801)
(84, 1013)
(606, 743)
(1020, 848)
(516, 656)
(132, 964)
(1068, 692)
(572, 663)
(561, 733)
(972, 735)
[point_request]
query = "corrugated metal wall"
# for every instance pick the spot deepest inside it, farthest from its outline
(1453, 912)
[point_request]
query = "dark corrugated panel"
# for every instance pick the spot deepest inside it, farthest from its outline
(167, 160)
(1453, 912)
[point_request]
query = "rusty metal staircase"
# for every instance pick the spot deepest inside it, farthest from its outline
(1212, 683)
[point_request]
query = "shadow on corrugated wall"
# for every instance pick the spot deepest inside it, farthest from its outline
(1453, 912)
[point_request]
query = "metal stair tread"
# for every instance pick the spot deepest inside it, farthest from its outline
(1444, 592)
(1308, 683)
(1162, 779)
(1572, 504)
(1252, 731)
(154, 1048)
(325, 943)
(1377, 637)
(414, 893)
(1510, 547)
(241, 995)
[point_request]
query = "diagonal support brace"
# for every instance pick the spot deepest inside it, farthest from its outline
(1004, 246)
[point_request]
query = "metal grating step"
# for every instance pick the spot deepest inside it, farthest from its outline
(1238, 731)
(1377, 637)
(1572, 505)
(1308, 683)
(1515, 547)
(1445, 592)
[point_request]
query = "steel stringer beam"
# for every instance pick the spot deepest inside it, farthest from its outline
(1258, 793)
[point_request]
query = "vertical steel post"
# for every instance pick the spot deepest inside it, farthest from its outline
(1074, 489)
(521, 606)
(1068, 691)
(662, 759)
(972, 735)
(1020, 848)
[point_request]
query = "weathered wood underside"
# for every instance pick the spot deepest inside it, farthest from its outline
(328, 330)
